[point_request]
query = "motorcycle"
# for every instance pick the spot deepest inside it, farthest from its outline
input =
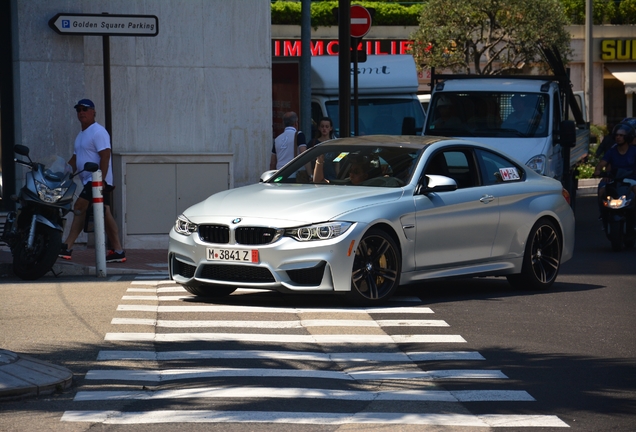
(34, 231)
(619, 210)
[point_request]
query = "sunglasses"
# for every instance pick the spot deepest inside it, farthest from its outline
(82, 109)
(623, 135)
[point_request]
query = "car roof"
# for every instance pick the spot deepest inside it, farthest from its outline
(415, 141)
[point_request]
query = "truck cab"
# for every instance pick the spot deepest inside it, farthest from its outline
(387, 94)
(524, 117)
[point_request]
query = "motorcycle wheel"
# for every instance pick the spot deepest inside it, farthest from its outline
(35, 263)
(615, 234)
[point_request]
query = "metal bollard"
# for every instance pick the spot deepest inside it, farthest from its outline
(100, 233)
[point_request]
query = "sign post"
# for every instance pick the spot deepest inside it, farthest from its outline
(360, 26)
(104, 25)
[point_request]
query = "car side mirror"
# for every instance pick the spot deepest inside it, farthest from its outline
(437, 183)
(267, 175)
(567, 133)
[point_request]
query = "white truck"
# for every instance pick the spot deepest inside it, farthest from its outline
(387, 94)
(525, 116)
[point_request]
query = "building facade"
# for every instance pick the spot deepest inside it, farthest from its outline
(190, 107)
(613, 50)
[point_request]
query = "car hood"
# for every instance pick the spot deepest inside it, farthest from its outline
(288, 202)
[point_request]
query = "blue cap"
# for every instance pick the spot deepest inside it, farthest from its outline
(85, 102)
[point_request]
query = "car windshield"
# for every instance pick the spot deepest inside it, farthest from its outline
(352, 165)
(488, 114)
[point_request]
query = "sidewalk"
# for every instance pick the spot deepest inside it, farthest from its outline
(22, 376)
(83, 263)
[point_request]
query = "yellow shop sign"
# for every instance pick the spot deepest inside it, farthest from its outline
(618, 49)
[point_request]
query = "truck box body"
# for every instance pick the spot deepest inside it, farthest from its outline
(387, 93)
(483, 110)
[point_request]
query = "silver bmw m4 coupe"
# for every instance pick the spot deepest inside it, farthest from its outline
(377, 212)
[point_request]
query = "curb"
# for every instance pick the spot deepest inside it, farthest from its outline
(72, 269)
(588, 183)
(22, 376)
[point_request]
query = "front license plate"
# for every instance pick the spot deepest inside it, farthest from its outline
(236, 255)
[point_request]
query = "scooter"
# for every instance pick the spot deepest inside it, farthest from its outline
(34, 230)
(619, 211)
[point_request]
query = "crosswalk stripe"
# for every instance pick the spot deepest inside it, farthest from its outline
(277, 310)
(190, 373)
(343, 357)
(208, 416)
(284, 338)
(310, 393)
(278, 324)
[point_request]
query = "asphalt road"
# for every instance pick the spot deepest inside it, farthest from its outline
(571, 349)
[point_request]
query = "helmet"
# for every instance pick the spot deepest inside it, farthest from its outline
(627, 128)
(630, 121)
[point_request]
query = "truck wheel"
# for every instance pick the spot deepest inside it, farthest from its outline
(575, 187)
(209, 290)
(541, 259)
(32, 264)
(376, 269)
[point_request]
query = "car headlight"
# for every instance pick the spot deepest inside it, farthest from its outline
(49, 195)
(537, 163)
(323, 231)
(184, 226)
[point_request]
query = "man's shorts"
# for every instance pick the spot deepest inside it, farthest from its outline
(87, 193)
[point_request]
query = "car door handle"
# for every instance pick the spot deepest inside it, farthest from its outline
(486, 199)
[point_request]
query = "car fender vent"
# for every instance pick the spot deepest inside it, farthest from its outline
(182, 269)
(311, 276)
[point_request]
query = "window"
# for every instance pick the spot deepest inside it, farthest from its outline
(496, 169)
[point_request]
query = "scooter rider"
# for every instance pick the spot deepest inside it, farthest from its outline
(620, 156)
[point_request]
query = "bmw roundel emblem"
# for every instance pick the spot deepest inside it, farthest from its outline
(236, 220)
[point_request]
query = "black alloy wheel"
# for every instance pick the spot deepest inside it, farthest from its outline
(376, 269)
(541, 259)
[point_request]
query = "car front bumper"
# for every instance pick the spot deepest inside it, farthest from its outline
(285, 265)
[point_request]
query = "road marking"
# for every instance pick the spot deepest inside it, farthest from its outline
(208, 416)
(284, 338)
(278, 324)
(198, 373)
(309, 393)
(344, 357)
(277, 310)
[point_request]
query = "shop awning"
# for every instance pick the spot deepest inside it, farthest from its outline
(625, 73)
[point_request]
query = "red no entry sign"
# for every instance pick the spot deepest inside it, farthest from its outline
(360, 21)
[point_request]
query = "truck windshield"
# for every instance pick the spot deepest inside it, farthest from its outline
(488, 114)
(381, 116)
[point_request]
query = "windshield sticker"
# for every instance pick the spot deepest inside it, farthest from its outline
(277, 179)
(509, 174)
(341, 156)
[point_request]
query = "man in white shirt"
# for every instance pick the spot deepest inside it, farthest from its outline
(92, 145)
(283, 148)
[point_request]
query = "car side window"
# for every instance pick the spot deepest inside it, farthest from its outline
(496, 169)
(457, 164)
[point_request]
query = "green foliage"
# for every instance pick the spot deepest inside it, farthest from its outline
(489, 37)
(627, 11)
(386, 13)
(586, 170)
(604, 11)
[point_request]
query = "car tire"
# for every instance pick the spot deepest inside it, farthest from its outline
(541, 259)
(209, 290)
(376, 269)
